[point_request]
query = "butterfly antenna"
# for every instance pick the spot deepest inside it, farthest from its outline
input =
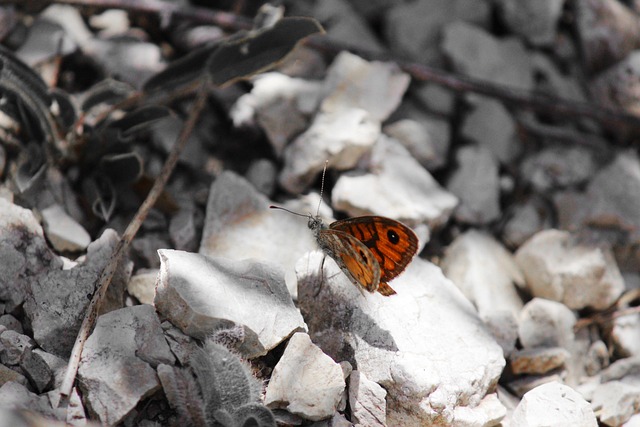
(285, 209)
(324, 172)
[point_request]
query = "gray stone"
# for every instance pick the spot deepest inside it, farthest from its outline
(262, 174)
(16, 396)
(200, 294)
(9, 375)
(36, 370)
(378, 335)
(344, 25)
(607, 32)
(404, 189)
(485, 273)
(617, 87)
(13, 346)
(476, 53)
(553, 405)
(305, 381)
(476, 183)
(55, 364)
(59, 298)
(367, 401)
(536, 21)
(559, 167)
(561, 268)
(414, 28)
(524, 220)
(117, 366)
(11, 322)
(435, 98)
(492, 126)
(184, 229)
(427, 140)
(24, 254)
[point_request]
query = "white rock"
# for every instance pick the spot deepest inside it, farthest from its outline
(503, 326)
(17, 396)
(341, 137)
(425, 345)
(367, 401)
(414, 28)
(625, 335)
(560, 268)
(199, 294)
(489, 412)
(117, 366)
(476, 53)
(485, 273)
(492, 126)
(426, 140)
(404, 190)
(536, 21)
(143, 286)
(305, 381)
(353, 83)
(477, 184)
(545, 323)
(280, 104)
(64, 232)
(239, 225)
(553, 405)
(263, 175)
(616, 402)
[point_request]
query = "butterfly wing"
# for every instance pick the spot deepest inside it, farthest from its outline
(392, 243)
(352, 256)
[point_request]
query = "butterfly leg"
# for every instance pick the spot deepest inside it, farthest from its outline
(317, 292)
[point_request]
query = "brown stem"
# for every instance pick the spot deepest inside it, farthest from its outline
(107, 275)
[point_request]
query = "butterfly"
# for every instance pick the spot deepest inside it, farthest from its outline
(370, 250)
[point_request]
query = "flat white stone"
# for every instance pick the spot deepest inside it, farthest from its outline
(367, 401)
(199, 294)
(305, 381)
(553, 405)
(239, 225)
(280, 104)
(485, 272)
(425, 345)
(341, 137)
(560, 268)
(353, 83)
(545, 323)
(64, 232)
(398, 187)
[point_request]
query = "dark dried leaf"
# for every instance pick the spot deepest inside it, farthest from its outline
(182, 71)
(122, 168)
(66, 116)
(239, 59)
(108, 91)
(139, 119)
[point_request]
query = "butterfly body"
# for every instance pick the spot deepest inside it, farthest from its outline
(370, 250)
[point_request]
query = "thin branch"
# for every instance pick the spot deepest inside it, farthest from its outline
(105, 279)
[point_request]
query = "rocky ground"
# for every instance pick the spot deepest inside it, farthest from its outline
(503, 132)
